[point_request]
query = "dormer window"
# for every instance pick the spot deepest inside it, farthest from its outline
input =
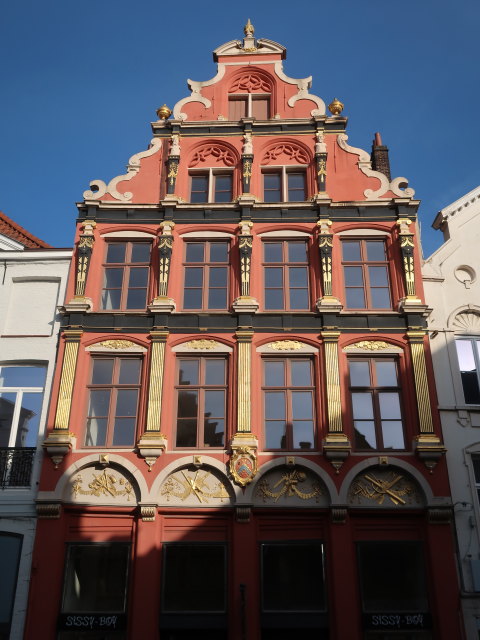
(250, 105)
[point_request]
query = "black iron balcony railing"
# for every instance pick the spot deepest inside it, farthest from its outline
(16, 466)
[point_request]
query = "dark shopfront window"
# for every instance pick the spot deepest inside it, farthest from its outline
(95, 592)
(393, 591)
(293, 596)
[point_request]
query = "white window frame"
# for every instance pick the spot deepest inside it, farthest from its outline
(211, 172)
(284, 170)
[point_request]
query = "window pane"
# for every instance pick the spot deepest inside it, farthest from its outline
(214, 404)
(99, 403)
(219, 252)
(113, 278)
(380, 298)
(187, 404)
(275, 405)
(375, 250)
(96, 434)
(102, 371)
(274, 299)
(298, 565)
(261, 108)
(218, 276)
(217, 299)
(10, 547)
(29, 420)
(192, 299)
(301, 373)
(188, 372)
(199, 192)
(275, 437)
(7, 407)
(138, 277)
(273, 277)
(274, 373)
(194, 578)
(299, 299)
(296, 187)
(393, 435)
(386, 373)
(18, 376)
(129, 371)
(378, 276)
(193, 276)
(298, 276)
(301, 405)
(362, 406)
(273, 252)
(213, 432)
(195, 252)
(297, 252)
(223, 188)
(124, 432)
(186, 433)
(365, 434)
(468, 371)
(389, 406)
(140, 252)
(215, 371)
(96, 578)
(126, 402)
(136, 299)
(116, 252)
(359, 374)
(237, 108)
(111, 299)
(355, 298)
(303, 434)
(351, 251)
(272, 187)
(353, 276)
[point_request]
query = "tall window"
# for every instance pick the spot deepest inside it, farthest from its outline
(206, 275)
(113, 402)
(375, 397)
(286, 184)
(286, 275)
(468, 352)
(212, 185)
(10, 548)
(125, 276)
(250, 105)
(288, 392)
(365, 272)
(201, 402)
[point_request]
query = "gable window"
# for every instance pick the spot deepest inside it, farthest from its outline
(206, 275)
(288, 394)
(21, 399)
(250, 105)
(201, 391)
(125, 276)
(211, 185)
(113, 402)
(365, 272)
(285, 184)
(285, 269)
(375, 399)
(468, 352)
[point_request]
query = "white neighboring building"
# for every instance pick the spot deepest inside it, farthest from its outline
(32, 284)
(452, 288)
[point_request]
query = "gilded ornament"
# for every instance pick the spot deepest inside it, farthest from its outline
(173, 172)
(336, 107)
(103, 484)
(288, 487)
(369, 345)
(201, 344)
(392, 487)
(243, 465)
(249, 29)
(247, 170)
(117, 344)
(164, 112)
(322, 168)
(202, 485)
(285, 345)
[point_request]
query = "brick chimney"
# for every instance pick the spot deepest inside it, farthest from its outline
(380, 161)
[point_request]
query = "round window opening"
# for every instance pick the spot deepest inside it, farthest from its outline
(466, 275)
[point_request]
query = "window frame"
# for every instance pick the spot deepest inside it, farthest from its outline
(126, 267)
(211, 173)
(283, 171)
(475, 345)
(206, 265)
(114, 386)
(250, 98)
(286, 265)
(374, 389)
(288, 388)
(364, 264)
(201, 388)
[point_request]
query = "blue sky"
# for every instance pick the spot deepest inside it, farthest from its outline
(81, 82)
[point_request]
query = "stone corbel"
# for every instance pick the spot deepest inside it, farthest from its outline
(151, 446)
(79, 302)
(162, 303)
(328, 302)
(245, 303)
(58, 444)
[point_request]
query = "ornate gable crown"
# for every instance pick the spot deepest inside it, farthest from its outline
(249, 45)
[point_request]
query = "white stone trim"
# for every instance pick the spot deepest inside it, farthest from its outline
(297, 347)
(365, 166)
(100, 347)
(7, 244)
(303, 85)
(285, 233)
(196, 96)
(128, 234)
(363, 232)
(202, 345)
(133, 167)
(380, 346)
(206, 234)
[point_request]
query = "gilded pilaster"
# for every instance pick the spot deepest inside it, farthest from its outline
(244, 339)
(162, 303)
(84, 253)
(154, 412)
(172, 163)
(245, 303)
(336, 444)
(67, 378)
(325, 244)
(247, 162)
(407, 247)
(321, 163)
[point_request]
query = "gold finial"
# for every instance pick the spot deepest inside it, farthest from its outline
(248, 29)
(164, 112)
(336, 107)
